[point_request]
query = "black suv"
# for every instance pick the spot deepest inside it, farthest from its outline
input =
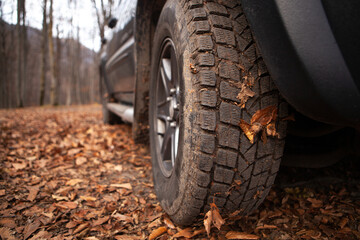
(214, 86)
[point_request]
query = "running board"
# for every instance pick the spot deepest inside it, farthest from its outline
(124, 111)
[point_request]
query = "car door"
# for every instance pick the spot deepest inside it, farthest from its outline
(120, 64)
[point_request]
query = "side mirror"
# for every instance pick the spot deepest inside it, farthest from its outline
(112, 22)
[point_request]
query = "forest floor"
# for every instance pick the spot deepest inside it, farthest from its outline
(66, 175)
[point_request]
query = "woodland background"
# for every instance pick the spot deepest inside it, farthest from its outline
(48, 66)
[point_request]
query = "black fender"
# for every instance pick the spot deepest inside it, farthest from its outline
(147, 15)
(304, 59)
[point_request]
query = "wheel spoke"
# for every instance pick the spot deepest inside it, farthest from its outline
(161, 127)
(162, 117)
(174, 69)
(165, 71)
(173, 153)
(163, 112)
(162, 103)
(166, 144)
(175, 143)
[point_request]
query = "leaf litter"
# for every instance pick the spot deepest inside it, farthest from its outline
(65, 175)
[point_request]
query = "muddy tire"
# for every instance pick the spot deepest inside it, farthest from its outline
(210, 158)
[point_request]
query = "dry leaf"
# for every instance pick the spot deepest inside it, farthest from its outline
(265, 226)
(90, 131)
(72, 195)
(187, 233)
(80, 160)
(127, 237)
(157, 232)
(264, 116)
(74, 151)
(41, 235)
(197, 232)
(168, 222)
(59, 198)
(213, 217)
(49, 215)
(122, 185)
(271, 130)
(218, 221)
(208, 221)
(118, 168)
(33, 191)
(121, 217)
(2, 192)
(100, 221)
(244, 94)
(343, 222)
(6, 233)
(7, 222)
(73, 182)
(155, 223)
(240, 235)
(88, 198)
(70, 205)
(30, 228)
(81, 227)
(19, 166)
(246, 128)
(315, 203)
(71, 224)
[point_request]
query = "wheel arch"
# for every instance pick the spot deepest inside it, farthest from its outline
(147, 15)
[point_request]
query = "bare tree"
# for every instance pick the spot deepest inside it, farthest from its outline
(103, 15)
(51, 57)
(76, 69)
(70, 64)
(22, 52)
(57, 65)
(3, 58)
(43, 54)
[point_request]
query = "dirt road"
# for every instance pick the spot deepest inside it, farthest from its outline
(65, 175)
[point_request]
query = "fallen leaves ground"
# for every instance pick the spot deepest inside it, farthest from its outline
(65, 175)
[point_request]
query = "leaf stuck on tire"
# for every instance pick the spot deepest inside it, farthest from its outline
(263, 120)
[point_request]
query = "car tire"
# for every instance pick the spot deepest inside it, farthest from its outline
(108, 116)
(209, 159)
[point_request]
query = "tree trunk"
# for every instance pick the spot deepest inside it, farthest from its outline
(77, 68)
(3, 60)
(43, 54)
(21, 29)
(51, 57)
(25, 55)
(57, 65)
(69, 68)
